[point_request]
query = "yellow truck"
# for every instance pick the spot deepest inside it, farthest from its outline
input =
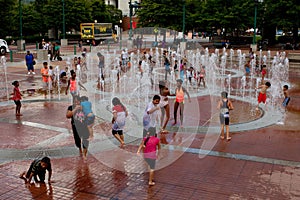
(94, 33)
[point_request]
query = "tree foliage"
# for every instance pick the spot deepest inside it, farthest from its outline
(41, 15)
(231, 16)
(7, 18)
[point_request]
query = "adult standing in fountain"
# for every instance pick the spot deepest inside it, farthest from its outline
(79, 126)
(224, 106)
(29, 59)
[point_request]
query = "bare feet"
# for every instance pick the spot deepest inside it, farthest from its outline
(174, 123)
(163, 130)
(19, 114)
(228, 138)
(22, 176)
(222, 137)
(122, 145)
(151, 183)
(84, 158)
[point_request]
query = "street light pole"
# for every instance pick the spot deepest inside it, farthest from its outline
(20, 15)
(130, 19)
(255, 15)
(183, 21)
(64, 20)
(120, 36)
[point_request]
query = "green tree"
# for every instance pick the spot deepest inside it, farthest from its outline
(115, 14)
(99, 11)
(161, 13)
(7, 16)
(282, 14)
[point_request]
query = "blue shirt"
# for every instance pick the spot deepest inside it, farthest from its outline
(86, 107)
(29, 58)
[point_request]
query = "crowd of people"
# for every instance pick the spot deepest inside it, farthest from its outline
(157, 112)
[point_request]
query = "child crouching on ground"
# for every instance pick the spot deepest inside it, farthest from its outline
(38, 169)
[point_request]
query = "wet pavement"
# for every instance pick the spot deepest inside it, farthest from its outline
(260, 162)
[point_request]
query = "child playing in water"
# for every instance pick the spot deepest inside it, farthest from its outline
(179, 101)
(119, 116)
(202, 74)
(263, 73)
(38, 169)
(225, 105)
(17, 96)
(262, 97)
(286, 96)
(72, 84)
(86, 106)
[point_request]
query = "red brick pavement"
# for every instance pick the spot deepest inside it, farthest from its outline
(189, 177)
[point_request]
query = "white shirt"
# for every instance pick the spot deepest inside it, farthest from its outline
(153, 116)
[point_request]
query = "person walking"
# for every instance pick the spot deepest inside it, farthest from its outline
(151, 147)
(45, 79)
(224, 106)
(17, 96)
(72, 84)
(151, 114)
(30, 62)
(179, 101)
(119, 119)
(164, 104)
(166, 65)
(79, 126)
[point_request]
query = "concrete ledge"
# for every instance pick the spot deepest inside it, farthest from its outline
(294, 57)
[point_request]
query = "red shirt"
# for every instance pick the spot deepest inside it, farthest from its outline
(150, 149)
(118, 108)
(17, 94)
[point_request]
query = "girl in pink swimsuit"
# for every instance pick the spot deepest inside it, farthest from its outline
(179, 101)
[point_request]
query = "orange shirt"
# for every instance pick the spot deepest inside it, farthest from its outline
(44, 72)
(179, 95)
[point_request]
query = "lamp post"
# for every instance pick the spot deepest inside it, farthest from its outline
(183, 21)
(120, 32)
(130, 19)
(255, 14)
(64, 20)
(20, 15)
